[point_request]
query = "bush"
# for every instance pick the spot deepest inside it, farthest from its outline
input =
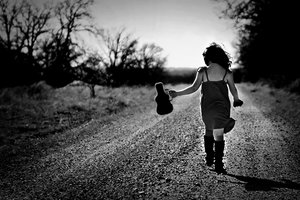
(17, 69)
(39, 90)
(295, 86)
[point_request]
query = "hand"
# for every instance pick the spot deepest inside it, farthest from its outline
(237, 102)
(172, 93)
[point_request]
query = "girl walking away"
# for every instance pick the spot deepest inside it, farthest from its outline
(215, 103)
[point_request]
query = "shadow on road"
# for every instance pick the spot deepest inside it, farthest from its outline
(259, 184)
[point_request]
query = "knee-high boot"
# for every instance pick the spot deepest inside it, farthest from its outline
(219, 148)
(208, 146)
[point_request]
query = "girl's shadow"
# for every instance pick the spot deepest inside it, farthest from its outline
(258, 184)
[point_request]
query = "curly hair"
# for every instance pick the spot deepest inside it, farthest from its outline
(216, 54)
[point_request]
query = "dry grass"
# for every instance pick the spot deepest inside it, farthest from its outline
(37, 120)
(38, 111)
(284, 98)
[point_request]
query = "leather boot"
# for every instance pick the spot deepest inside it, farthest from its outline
(208, 146)
(219, 148)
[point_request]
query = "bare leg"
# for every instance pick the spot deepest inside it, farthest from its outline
(218, 134)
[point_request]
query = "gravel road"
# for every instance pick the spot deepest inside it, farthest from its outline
(146, 156)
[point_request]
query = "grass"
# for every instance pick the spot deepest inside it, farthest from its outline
(37, 111)
(36, 120)
(283, 98)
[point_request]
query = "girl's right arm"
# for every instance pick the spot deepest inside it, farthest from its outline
(192, 88)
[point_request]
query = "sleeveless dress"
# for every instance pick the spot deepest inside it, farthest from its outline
(215, 103)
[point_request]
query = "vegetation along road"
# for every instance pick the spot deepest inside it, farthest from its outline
(141, 155)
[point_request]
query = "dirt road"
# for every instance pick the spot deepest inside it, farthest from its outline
(146, 156)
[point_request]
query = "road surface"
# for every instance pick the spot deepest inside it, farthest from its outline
(146, 156)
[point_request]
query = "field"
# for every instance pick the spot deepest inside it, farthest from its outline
(37, 119)
(38, 111)
(53, 142)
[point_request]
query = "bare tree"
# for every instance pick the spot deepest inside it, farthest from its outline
(117, 47)
(9, 12)
(150, 56)
(62, 51)
(73, 16)
(118, 53)
(22, 24)
(32, 24)
(91, 72)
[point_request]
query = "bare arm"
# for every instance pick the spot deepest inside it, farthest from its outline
(190, 89)
(232, 87)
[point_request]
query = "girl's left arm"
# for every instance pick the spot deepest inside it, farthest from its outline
(192, 88)
(232, 88)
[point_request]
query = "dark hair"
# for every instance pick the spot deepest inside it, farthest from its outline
(216, 54)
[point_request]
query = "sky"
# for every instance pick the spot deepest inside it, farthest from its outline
(183, 28)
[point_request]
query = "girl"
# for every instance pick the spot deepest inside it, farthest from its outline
(215, 103)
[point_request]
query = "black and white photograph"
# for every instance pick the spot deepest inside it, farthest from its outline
(149, 100)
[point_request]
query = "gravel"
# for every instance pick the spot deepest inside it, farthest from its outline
(147, 156)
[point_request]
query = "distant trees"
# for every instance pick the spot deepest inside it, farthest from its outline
(42, 43)
(150, 57)
(118, 54)
(22, 25)
(60, 50)
(127, 63)
(267, 38)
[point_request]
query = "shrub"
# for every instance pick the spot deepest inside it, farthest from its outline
(295, 86)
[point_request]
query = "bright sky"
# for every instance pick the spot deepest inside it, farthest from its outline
(183, 28)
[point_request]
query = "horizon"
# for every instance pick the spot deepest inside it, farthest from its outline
(176, 26)
(183, 29)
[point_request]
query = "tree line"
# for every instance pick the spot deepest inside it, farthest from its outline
(267, 39)
(43, 43)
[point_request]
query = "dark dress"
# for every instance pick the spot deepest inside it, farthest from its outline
(215, 103)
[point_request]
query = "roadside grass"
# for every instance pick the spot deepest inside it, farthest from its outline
(285, 98)
(38, 111)
(36, 119)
